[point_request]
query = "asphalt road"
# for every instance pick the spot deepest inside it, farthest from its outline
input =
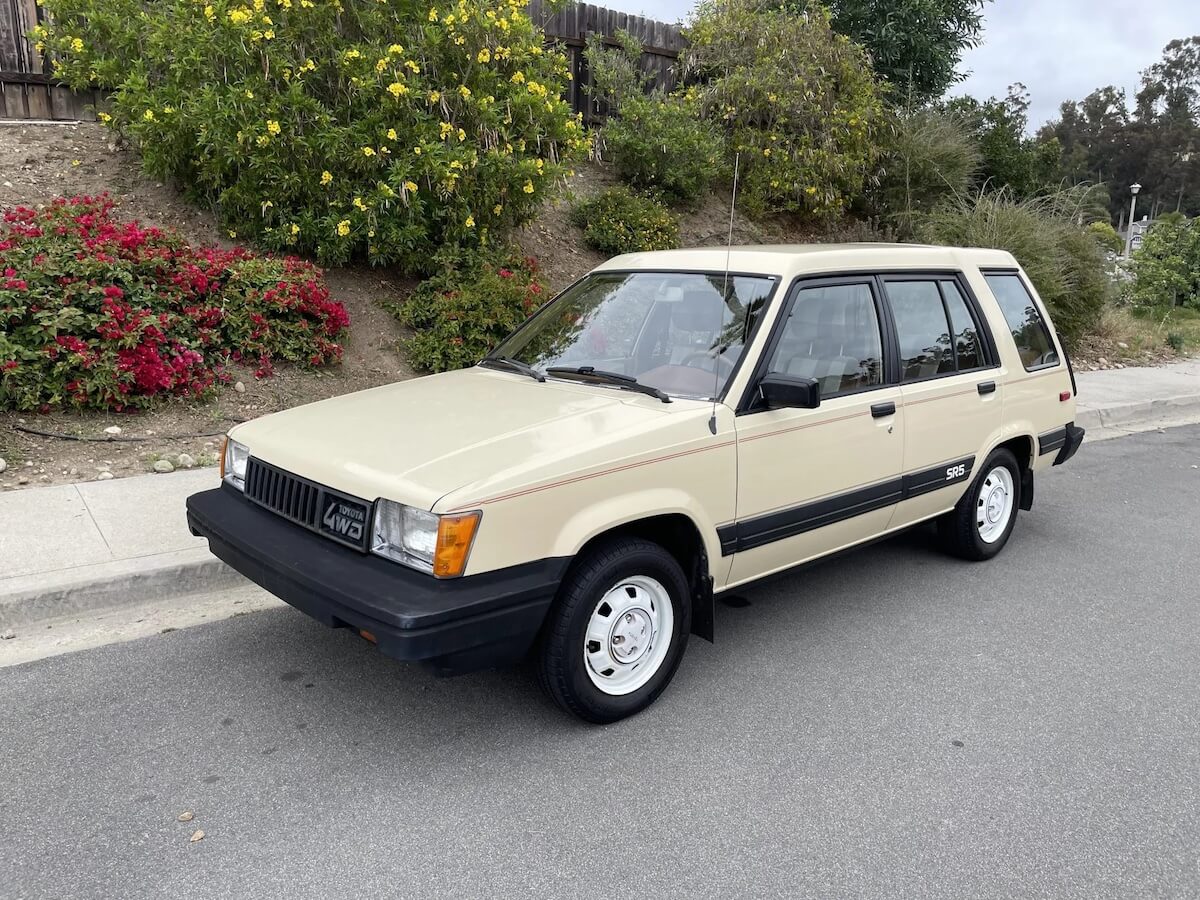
(892, 723)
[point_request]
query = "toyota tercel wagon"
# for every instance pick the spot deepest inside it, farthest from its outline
(672, 426)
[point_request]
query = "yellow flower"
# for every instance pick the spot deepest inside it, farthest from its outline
(380, 65)
(368, 151)
(273, 126)
(343, 227)
(462, 135)
(77, 45)
(148, 115)
(209, 13)
(484, 56)
(464, 91)
(326, 177)
(309, 65)
(459, 39)
(262, 140)
(433, 16)
(528, 187)
(269, 34)
(395, 50)
(810, 190)
(767, 151)
(358, 203)
(249, 95)
(445, 128)
(295, 229)
(435, 96)
(497, 209)
(352, 54)
(232, 233)
(456, 164)
(397, 90)
(410, 186)
(104, 117)
(470, 222)
(412, 66)
(239, 16)
(417, 150)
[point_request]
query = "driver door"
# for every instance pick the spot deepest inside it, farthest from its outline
(811, 481)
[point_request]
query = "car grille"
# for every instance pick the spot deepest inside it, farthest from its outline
(283, 493)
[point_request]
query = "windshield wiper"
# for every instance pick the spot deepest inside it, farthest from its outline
(591, 373)
(514, 365)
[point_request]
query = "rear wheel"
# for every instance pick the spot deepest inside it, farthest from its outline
(617, 632)
(982, 521)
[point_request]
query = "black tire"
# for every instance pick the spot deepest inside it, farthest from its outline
(562, 669)
(958, 529)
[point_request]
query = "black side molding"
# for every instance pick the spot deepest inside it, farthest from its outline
(1052, 440)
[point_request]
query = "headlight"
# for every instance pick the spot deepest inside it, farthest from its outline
(233, 464)
(423, 540)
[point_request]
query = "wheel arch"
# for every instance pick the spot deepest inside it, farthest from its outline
(1024, 447)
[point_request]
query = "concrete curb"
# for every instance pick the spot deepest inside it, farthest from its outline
(1139, 413)
(91, 589)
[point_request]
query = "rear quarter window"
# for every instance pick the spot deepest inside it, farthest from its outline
(1029, 331)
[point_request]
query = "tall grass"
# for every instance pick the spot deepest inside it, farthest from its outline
(1046, 235)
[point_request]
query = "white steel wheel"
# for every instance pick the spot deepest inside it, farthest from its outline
(994, 508)
(628, 635)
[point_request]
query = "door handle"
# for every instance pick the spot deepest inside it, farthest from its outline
(880, 410)
(987, 387)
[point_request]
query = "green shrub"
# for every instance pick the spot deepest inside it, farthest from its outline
(1167, 266)
(474, 301)
(1107, 236)
(95, 312)
(619, 221)
(1176, 341)
(797, 101)
(928, 156)
(659, 142)
(381, 128)
(1063, 261)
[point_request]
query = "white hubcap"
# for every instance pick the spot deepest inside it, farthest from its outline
(995, 505)
(628, 635)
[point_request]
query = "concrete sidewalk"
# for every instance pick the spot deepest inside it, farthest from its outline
(79, 547)
(71, 549)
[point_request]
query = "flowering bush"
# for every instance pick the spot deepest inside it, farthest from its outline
(382, 128)
(100, 313)
(619, 221)
(474, 302)
(798, 101)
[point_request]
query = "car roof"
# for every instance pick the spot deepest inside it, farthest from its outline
(790, 260)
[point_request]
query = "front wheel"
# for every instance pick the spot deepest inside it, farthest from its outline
(980, 524)
(617, 632)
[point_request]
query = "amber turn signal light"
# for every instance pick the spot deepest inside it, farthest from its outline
(455, 536)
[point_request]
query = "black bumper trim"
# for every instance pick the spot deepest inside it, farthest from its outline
(1070, 444)
(453, 625)
(1052, 440)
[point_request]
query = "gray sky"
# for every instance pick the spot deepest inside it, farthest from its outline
(1060, 49)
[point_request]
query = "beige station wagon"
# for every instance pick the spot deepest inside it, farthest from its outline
(672, 426)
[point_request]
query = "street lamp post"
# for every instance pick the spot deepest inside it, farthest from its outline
(1133, 189)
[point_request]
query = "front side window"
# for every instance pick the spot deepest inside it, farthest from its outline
(1020, 312)
(832, 335)
(682, 333)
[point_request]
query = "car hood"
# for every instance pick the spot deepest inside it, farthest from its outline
(416, 441)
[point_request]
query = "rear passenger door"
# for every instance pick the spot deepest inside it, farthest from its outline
(952, 402)
(814, 480)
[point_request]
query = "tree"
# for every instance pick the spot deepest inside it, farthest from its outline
(1008, 157)
(1168, 266)
(915, 45)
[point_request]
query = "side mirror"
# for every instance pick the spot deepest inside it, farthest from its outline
(789, 391)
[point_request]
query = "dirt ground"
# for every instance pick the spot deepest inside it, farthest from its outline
(41, 162)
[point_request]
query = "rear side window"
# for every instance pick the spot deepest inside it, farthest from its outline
(935, 328)
(1028, 330)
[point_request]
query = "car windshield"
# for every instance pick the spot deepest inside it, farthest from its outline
(681, 333)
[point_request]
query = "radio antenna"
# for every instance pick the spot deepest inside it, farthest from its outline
(712, 422)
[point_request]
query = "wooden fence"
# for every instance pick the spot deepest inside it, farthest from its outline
(28, 91)
(569, 29)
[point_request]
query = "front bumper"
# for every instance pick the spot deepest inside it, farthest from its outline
(453, 625)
